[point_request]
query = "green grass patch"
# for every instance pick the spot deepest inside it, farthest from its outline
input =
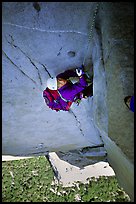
(30, 180)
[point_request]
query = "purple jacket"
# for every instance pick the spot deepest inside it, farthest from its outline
(132, 104)
(69, 91)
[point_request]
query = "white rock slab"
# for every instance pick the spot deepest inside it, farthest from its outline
(68, 174)
(10, 158)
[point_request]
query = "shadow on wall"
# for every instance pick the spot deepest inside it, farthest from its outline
(84, 156)
(117, 48)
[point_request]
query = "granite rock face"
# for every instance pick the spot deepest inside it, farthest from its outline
(117, 31)
(43, 39)
(39, 41)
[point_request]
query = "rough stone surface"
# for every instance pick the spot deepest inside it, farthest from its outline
(84, 157)
(36, 41)
(117, 28)
(45, 38)
(68, 174)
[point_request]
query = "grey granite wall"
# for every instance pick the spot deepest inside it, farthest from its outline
(115, 28)
(43, 40)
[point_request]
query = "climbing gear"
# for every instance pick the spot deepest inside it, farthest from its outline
(91, 30)
(78, 101)
(52, 83)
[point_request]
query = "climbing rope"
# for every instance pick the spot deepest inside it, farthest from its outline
(91, 29)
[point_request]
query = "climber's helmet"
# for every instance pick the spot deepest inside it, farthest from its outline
(52, 83)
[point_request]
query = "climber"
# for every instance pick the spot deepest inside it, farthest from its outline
(129, 101)
(61, 92)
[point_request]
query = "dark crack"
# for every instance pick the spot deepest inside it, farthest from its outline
(11, 43)
(37, 6)
(70, 111)
(94, 145)
(59, 51)
(58, 54)
(112, 44)
(36, 68)
(18, 68)
(46, 70)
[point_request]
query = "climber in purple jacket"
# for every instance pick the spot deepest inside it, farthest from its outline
(64, 91)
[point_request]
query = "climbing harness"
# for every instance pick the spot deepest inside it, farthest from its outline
(91, 29)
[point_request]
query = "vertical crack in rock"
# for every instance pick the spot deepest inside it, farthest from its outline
(36, 69)
(46, 70)
(11, 43)
(112, 44)
(36, 6)
(18, 68)
(92, 143)
(12, 40)
(103, 62)
(70, 111)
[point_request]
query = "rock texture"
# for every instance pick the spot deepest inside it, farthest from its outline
(43, 39)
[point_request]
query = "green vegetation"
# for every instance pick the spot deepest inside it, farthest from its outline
(31, 180)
